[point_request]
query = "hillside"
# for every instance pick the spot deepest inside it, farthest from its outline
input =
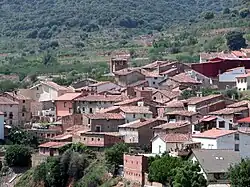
(48, 18)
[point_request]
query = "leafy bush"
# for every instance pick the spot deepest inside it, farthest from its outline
(209, 15)
(18, 155)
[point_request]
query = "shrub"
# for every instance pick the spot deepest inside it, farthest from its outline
(18, 155)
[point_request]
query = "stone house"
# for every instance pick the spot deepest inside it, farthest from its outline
(94, 103)
(10, 109)
(139, 132)
(183, 115)
(128, 76)
(103, 122)
(52, 148)
(71, 120)
(183, 127)
(133, 113)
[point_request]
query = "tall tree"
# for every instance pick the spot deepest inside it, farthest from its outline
(239, 174)
(114, 156)
(235, 40)
(189, 176)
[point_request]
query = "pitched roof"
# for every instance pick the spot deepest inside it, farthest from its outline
(175, 137)
(238, 53)
(196, 100)
(106, 116)
(129, 101)
(243, 103)
(150, 73)
(54, 85)
(227, 111)
(243, 75)
(175, 104)
(138, 83)
(172, 125)
(18, 96)
(244, 120)
(140, 123)
(168, 93)
(156, 64)
(184, 78)
(54, 144)
(126, 71)
(6, 101)
(213, 133)
(168, 71)
(182, 113)
(68, 96)
(96, 98)
(111, 109)
(216, 160)
(99, 83)
(135, 109)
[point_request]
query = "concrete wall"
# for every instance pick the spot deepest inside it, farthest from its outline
(131, 135)
(244, 145)
(206, 143)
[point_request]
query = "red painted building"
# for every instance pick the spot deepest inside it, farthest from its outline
(219, 65)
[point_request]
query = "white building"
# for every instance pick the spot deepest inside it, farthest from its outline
(224, 139)
(153, 78)
(243, 82)
(231, 74)
(133, 113)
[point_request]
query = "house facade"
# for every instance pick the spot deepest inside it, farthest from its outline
(133, 113)
(1, 126)
(10, 109)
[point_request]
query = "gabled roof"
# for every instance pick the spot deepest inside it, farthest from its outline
(227, 111)
(243, 103)
(174, 137)
(17, 96)
(182, 113)
(175, 104)
(244, 120)
(68, 96)
(184, 78)
(97, 98)
(129, 101)
(126, 71)
(111, 109)
(107, 116)
(54, 85)
(135, 109)
(216, 160)
(6, 101)
(54, 144)
(213, 133)
(196, 100)
(172, 125)
(140, 123)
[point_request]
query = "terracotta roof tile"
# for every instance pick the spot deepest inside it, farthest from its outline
(244, 120)
(129, 101)
(213, 133)
(54, 85)
(196, 100)
(126, 71)
(226, 111)
(68, 96)
(138, 83)
(54, 144)
(182, 113)
(18, 96)
(168, 71)
(135, 109)
(140, 123)
(243, 103)
(175, 104)
(238, 53)
(6, 101)
(111, 109)
(172, 125)
(157, 64)
(110, 116)
(184, 78)
(150, 73)
(176, 137)
(98, 98)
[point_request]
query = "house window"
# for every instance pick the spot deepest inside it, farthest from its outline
(239, 89)
(37, 88)
(83, 109)
(84, 139)
(237, 137)
(153, 82)
(90, 110)
(92, 139)
(5, 114)
(98, 139)
(221, 124)
(70, 110)
(23, 101)
(64, 104)
(23, 114)
(159, 149)
(236, 147)
(230, 126)
(11, 115)
(154, 98)
(144, 115)
(133, 115)
(10, 122)
(89, 121)
(155, 78)
(98, 128)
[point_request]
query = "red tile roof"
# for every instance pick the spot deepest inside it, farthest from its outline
(172, 125)
(68, 96)
(138, 83)
(238, 53)
(98, 98)
(111, 109)
(213, 133)
(175, 137)
(196, 100)
(150, 73)
(227, 111)
(243, 75)
(135, 109)
(243, 103)
(182, 113)
(6, 101)
(129, 101)
(54, 85)
(157, 64)
(168, 71)
(175, 104)
(108, 116)
(99, 83)
(126, 71)
(140, 123)
(103, 133)
(184, 78)
(54, 144)
(17, 96)
(244, 120)
(208, 118)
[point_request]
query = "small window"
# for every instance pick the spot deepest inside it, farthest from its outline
(11, 115)
(10, 122)
(65, 104)
(23, 101)
(230, 126)
(83, 109)
(155, 78)
(90, 110)
(144, 115)
(23, 114)
(153, 82)
(37, 88)
(154, 98)
(92, 139)
(84, 139)
(221, 124)
(98, 139)
(237, 137)
(5, 114)
(236, 147)
(133, 115)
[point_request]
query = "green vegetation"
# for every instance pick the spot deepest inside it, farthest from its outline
(235, 40)
(239, 174)
(172, 171)
(18, 155)
(114, 156)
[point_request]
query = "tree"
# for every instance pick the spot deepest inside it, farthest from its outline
(18, 155)
(239, 174)
(189, 176)
(114, 156)
(226, 11)
(235, 40)
(244, 12)
(209, 15)
(162, 170)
